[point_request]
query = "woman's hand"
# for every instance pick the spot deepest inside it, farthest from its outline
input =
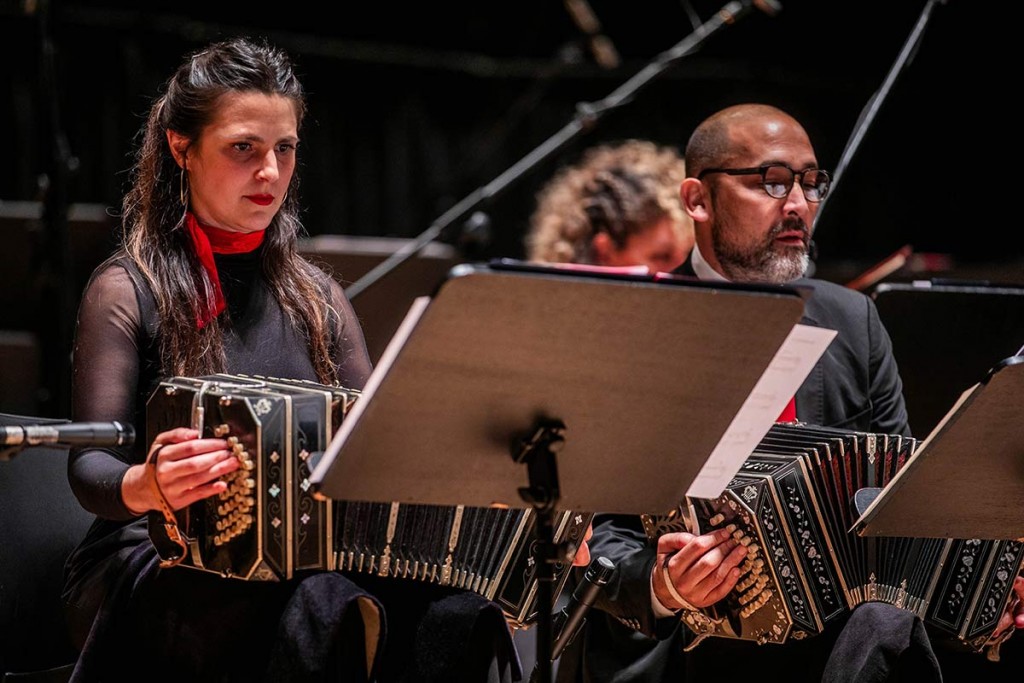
(187, 469)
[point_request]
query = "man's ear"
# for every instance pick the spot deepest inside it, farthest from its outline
(179, 148)
(695, 199)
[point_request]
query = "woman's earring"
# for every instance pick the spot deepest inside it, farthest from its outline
(183, 188)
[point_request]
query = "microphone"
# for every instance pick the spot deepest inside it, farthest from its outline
(571, 619)
(69, 434)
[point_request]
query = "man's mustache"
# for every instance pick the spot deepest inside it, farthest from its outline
(790, 226)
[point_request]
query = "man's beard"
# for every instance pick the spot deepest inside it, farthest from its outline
(763, 262)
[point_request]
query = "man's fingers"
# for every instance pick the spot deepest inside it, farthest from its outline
(723, 579)
(1018, 611)
(705, 568)
(710, 570)
(670, 543)
(700, 548)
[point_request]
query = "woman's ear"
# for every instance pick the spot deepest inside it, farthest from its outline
(179, 148)
(601, 248)
(695, 200)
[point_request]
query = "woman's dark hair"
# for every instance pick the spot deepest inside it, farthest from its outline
(153, 217)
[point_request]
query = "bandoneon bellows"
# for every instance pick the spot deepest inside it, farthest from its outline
(269, 524)
(792, 504)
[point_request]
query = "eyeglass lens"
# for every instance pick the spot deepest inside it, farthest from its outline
(778, 181)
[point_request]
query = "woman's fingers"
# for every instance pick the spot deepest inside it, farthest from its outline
(198, 470)
(187, 449)
(189, 469)
(198, 493)
(176, 435)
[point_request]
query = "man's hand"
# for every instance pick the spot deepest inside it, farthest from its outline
(582, 557)
(699, 569)
(1018, 608)
(1011, 619)
(1013, 616)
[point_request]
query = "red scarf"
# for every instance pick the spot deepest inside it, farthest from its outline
(208, 241)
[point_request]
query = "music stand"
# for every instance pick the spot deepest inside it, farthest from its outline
(966, 480)
(945, 336)
(632, 382)
(382, 306)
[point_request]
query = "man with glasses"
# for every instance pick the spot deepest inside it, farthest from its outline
(753, 190)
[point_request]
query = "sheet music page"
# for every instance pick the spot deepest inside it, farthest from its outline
(415, 312)
(783, 376)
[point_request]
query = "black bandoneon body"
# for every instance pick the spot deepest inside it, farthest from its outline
(792, 502)
(269, 525)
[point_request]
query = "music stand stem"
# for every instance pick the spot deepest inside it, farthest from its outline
(538, 450)
(874, 104)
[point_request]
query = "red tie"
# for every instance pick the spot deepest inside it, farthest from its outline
(789, 412)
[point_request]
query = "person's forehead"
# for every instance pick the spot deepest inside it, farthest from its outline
(761, 140)
(239, 111)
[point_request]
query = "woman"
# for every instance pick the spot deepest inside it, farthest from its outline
(209, 281)
(619, 206)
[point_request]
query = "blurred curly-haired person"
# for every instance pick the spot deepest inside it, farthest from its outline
(619, 206)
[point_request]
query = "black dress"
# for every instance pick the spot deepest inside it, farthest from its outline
(135, 621)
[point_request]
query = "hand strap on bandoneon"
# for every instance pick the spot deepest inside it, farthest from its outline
(163, 524)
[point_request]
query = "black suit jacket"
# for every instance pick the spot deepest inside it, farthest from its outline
(855, 385)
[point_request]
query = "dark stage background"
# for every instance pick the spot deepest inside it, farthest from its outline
(413, 107)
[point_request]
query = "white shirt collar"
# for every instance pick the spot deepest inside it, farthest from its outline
(702, 269)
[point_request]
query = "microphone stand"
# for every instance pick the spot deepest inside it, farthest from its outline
(874, 104)
(587, 116)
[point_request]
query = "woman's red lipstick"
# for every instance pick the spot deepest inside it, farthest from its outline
(261, 199)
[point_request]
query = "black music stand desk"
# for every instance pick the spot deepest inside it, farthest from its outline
(632, 381)
(946, 336)
(966, 480)
(645, 375)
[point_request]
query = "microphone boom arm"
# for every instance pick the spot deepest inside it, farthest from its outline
(587, 116)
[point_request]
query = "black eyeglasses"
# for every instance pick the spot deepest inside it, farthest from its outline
(777, 180)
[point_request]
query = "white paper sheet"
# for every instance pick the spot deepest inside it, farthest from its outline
(784, 375)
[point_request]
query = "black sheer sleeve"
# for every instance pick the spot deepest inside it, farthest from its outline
(105, 378)
(350, 354)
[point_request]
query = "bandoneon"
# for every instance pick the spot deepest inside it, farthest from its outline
(792, 504)
(269, 524)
